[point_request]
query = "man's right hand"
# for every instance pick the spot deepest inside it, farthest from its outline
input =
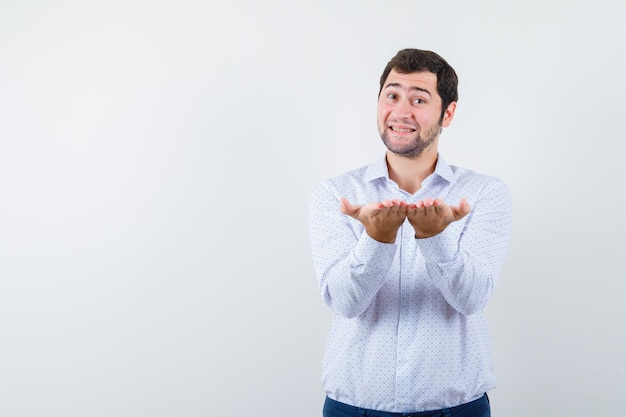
(381, 220)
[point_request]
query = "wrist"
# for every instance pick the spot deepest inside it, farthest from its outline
(382, 237)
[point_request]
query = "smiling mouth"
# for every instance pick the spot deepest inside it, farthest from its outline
(401, 130)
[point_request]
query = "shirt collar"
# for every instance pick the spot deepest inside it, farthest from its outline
(379, 169)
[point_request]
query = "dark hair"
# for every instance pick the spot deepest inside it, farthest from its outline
(408, 61)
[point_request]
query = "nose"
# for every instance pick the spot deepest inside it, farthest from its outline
(402, 109)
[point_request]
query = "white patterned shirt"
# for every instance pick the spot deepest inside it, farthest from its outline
(408, 333)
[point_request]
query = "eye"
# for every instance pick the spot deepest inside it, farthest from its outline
(392, 96)
(418, 101)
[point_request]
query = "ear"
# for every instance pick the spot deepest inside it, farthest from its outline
(448, 115)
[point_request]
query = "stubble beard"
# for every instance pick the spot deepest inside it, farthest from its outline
(414, 148)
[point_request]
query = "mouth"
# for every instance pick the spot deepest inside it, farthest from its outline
(398, 129)
(401, 128)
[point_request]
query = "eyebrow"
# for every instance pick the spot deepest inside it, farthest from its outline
(398, 85)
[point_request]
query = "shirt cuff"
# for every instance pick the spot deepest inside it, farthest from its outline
(373, 254)
(440, 248)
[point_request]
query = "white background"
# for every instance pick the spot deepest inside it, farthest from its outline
(156, 160)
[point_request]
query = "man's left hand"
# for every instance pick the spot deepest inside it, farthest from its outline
(430, 217)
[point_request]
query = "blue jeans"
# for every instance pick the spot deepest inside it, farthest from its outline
(476, 408)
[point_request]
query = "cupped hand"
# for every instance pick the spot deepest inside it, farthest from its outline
(381, 219)
(430, 217)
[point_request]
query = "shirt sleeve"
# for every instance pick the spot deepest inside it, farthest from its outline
(351, 267)
(465, 267)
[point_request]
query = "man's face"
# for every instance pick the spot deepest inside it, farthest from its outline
(409, 113)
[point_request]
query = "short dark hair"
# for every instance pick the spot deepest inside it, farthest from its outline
(408, 61)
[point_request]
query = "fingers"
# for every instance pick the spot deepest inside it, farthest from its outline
(401, 208)
(437, 207)
(461, 210)
(464, 205)
(347, 208)
(427, 202)
(360, 211)
(427, 206)
(393, 209)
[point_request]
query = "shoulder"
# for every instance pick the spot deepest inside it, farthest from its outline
(477, 186)
(467, 177)
(346, 183)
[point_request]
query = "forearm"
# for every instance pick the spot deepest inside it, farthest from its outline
(350, 266)
(466, 280)
(465, 260)
(349, 284)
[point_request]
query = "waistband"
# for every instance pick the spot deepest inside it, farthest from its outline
(342, 409)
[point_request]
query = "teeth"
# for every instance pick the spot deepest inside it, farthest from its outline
(402, 130)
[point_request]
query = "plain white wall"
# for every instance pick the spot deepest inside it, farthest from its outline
(156, 160)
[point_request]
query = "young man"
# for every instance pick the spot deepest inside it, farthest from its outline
(407, 251)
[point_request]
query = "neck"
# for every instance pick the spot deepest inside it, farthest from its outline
(409, 173)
